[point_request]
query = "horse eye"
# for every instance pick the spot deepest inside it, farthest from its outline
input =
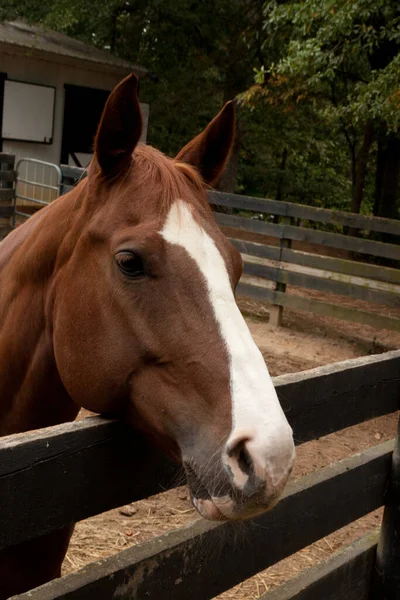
(130, 264)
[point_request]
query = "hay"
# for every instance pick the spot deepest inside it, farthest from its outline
(107, 534)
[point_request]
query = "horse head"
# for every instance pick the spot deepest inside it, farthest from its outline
(145, 323)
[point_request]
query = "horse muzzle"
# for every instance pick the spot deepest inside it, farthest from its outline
(240, 484)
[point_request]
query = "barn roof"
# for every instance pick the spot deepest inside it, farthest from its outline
(62, 47)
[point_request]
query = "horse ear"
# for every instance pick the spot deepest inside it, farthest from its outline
(120, 128)
(210, 150)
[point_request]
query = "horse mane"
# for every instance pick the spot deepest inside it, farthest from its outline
(41, 234)
(10, 244)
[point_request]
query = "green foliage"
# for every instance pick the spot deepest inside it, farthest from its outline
(308, 75)
(346, 52)
(338, 71)
(314, 170)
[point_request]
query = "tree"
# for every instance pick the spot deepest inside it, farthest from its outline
(343, 59)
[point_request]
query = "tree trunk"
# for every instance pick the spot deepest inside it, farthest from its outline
(380, 172)
(387, 183)
(361, 168)
(361, 171)
(389, 201)
(279, 191)
(281, 180)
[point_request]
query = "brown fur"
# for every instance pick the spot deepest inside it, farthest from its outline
(74, 332)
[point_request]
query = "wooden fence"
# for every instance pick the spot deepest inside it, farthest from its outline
(95, 465)
(270, 265)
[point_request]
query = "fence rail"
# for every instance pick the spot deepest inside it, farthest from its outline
(302, 234)
(98, 464)
(301, 211)
(204, 558)
(345, 576)
(319, 262)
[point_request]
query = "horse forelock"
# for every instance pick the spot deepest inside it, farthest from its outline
(153, 182)
(153, 165)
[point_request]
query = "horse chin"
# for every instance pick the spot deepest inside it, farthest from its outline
(208, 510)
(224, 507)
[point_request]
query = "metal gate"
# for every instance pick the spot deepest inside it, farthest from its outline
(38, 184)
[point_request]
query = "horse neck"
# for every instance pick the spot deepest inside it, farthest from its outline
(31, 392)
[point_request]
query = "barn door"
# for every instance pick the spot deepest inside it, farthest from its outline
(82, 111)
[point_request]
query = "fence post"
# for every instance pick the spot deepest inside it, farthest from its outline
(386, 574)
(276, 311)
(7, 190)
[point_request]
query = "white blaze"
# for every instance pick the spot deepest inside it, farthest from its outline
(256, 413)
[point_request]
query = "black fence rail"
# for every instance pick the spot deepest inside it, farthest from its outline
(91, 462)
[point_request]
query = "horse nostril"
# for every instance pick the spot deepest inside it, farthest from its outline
(239, 455)
(244, 461)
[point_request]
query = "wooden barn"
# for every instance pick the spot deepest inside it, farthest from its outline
(52, 92)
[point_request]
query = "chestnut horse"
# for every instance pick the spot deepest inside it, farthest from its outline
(119, 298)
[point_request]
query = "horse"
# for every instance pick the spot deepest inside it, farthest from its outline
(119, 297)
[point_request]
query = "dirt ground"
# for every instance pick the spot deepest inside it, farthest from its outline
(303, 342)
